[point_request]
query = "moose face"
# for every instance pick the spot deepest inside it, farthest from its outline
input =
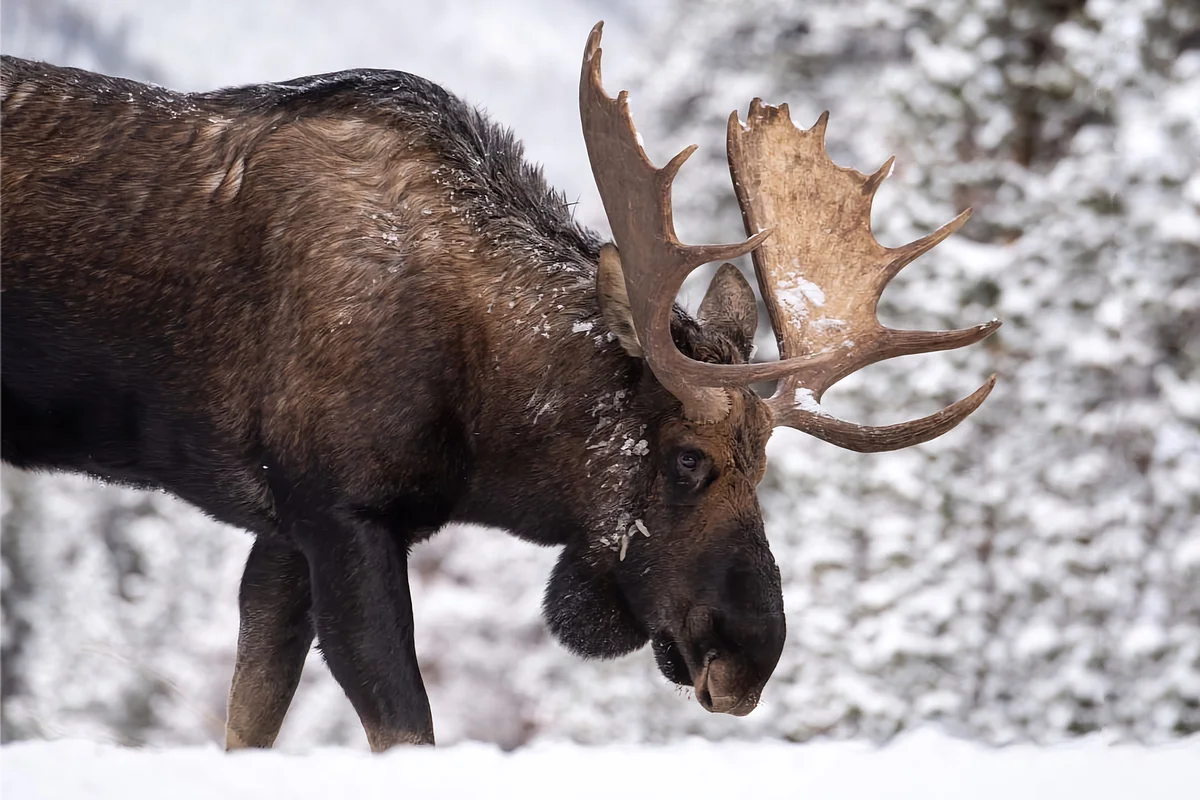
(704, 582)
(693, 573)
(707, 588)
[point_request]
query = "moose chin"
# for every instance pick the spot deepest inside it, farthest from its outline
(342, 312)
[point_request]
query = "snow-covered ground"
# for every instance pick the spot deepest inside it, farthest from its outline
(921, 765)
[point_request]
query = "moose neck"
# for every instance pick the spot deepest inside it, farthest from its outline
(567, 456)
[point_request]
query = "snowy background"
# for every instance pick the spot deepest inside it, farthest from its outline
(1031, 577)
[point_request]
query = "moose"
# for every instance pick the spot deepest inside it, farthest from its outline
(342, 312)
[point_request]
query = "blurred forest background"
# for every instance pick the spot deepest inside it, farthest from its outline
(1034, 575)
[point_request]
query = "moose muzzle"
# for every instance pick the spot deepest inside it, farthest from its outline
(731, 639)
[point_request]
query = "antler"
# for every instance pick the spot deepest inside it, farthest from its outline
(637, 200)
(822, 273)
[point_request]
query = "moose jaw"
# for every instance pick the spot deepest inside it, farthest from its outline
(342, 312)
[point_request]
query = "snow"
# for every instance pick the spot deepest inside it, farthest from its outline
(798, 294)
(921, 765)
(805, 401)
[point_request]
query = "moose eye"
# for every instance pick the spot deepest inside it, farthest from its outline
(688, 461)
(692, 472)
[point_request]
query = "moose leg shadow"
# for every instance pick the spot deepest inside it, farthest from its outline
(363, 615)
(274, 636)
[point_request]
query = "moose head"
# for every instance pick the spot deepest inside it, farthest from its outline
(703, 583)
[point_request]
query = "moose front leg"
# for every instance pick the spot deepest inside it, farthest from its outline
(364, 621)
(274, 636)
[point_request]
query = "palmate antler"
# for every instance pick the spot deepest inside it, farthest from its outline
(819, 267)
(822, 272)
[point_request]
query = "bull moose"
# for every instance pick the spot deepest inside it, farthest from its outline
(342, 312)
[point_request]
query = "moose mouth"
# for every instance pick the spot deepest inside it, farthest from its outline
(709, 677)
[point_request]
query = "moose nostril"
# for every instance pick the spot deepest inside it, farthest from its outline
(723, 705)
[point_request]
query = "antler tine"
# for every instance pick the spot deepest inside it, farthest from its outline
(903, 256)
(823, 272)
(907, 343)
(806, 415)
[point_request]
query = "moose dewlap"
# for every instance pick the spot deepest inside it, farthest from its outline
(342, 312)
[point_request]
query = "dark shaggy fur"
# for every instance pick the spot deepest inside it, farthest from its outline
(341, 312)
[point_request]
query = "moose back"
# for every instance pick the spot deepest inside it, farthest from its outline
(341, 312)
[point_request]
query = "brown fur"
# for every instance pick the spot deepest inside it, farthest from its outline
(341, 313)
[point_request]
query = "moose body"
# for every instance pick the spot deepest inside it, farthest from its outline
(342, 312)
(345, 287)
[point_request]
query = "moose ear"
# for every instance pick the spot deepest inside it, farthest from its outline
(614, 300)
(729, 307)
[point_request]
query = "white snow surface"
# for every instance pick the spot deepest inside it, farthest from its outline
(923, 765)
